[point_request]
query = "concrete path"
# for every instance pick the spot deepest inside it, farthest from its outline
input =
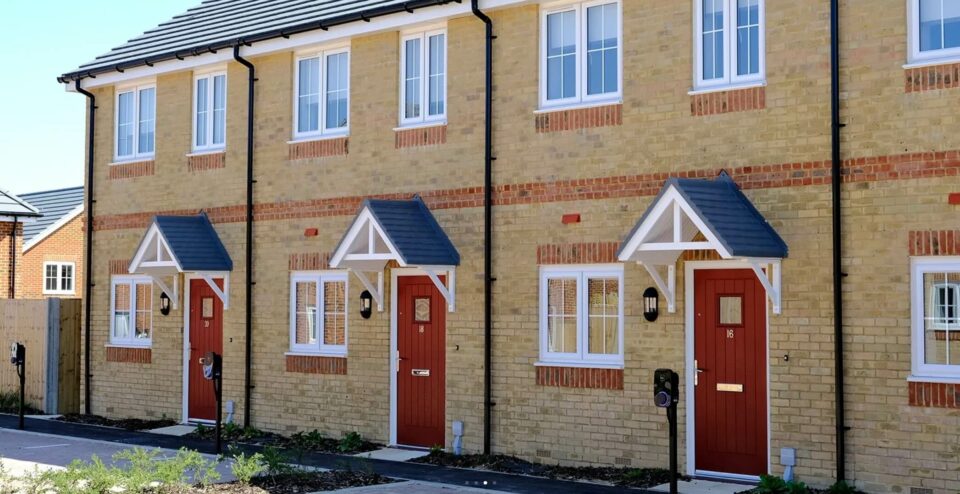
(700, 486)
(394, 454)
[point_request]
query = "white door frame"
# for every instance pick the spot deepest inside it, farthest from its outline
(185, 369)
(690, 267)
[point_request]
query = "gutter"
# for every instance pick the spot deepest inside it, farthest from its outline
(248, 315)
(488, 278)
(88, 258)
(838, 274)
(325, 25)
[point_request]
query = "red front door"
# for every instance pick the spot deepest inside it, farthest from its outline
(421, 328)
(206, 335)
(730, 346)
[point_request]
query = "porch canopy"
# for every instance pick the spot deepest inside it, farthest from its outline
(182, 244)
(403, 231)
(700, 214)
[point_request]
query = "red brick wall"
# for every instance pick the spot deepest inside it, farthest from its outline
(578, 377)
(5, 258)
(65, 244)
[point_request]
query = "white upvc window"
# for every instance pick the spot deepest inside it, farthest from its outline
(581, 315)
(934, 29)
(729, 43)
(322, 94)
(318, 312)
(423, 77)
(59, 278)
(935, 315)
(581, 53)
(210, 112)
(131, 311)
(136, 122)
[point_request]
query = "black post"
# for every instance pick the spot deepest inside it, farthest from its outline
(18, 357)
(672, 418)
(213, 370)
(666, 394)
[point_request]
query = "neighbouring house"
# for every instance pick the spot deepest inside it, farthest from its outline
(15, 214)
(52, 262)
(663, 181)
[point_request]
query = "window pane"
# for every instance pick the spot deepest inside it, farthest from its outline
(201, 118)
(66, 278)
(306, 313)
(712, 39)
(411, 88)
(437, 74)
(561, 55)
(951, 24)
(748, 31)
(602, 65)
(144, 310)
(334, 316)
(308, 99)
(121, 308)
(941, 318)
(931, 17)
(603, 309)
(337, 72)
(147, 122)
(731, 310)
(219, 109)
(562, 315)
(50, 277)
(125, 116)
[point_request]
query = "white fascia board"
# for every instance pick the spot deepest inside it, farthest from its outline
(17, 219)
(342, 32)
(52, 228)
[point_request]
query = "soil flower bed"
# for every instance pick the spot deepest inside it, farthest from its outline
(129, 424)
(293, 483)
(626, 477)
(313, 441)
(10, 403)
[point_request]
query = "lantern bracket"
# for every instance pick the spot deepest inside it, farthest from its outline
(376, 291)
(668, 286)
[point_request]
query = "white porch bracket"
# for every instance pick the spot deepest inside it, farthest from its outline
(221, 294)
(376, 291)
(772, 287)
(173, 294)
(668, 287)
(449, 291)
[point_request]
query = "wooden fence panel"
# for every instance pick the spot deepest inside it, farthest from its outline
(24, 321)
(69, 372)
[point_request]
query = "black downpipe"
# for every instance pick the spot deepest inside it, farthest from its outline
(838, 274)
(488, 278)
(88, 261)
(248, 316)
(13, 258)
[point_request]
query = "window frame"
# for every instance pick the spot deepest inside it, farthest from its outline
(60, 265)
(136, 89)
(132, 281)
(581, 98)
(730, 80)
(424, 37)
(322, 54)
(319, 348)
(581, 273)
(210, 146)
(915, 55)
(919, 266)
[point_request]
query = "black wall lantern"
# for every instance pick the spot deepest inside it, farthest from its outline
(366, 304)
(651, 304)
(164, 303)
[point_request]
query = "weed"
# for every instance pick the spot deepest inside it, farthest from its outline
(351, 442)
(276, 461)
(244, 467)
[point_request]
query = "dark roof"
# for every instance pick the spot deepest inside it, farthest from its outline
(54, 204)
(219, 24)
(194, 243)
(729, 214)
(412, 229)
(11, 205)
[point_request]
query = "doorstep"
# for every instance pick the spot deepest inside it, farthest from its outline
(700, 486)
(394, 454)
(179, 430)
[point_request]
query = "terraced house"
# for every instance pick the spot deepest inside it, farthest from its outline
(762, 195)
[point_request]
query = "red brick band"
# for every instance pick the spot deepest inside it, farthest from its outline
(318, 149)
(734, 100)
(131, 170)
(119, 266)
(311, 364)
(935, 243)
(941, 335)
(211, 161)
(579, 118)
(581, 253)
(922, 79)
(129, 355)
(310, 261)
(935, 395)
(422, 136)
(580, 377)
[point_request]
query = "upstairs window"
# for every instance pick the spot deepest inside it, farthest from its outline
(729, 42)
(423, 77)
(210, 112)
(322, 94)
(58, 278)
(935, 305)
(136, 122)
(131, 311)
(934, 29)
(318, 313)
(581, 54)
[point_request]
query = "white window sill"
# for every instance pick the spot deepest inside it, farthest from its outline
(939, 379)
(579, 364)
(59, 294)
(933, 60)
(325, 137)
(147, 346)
(421, 125)
(726, 87)
(137, 159)
(315, 354)
(205, 152)
(578, 106)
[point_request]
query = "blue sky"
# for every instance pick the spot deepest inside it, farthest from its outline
(41, 126)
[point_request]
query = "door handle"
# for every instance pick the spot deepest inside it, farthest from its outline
(696, 373)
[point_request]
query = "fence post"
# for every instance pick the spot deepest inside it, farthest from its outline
(51, 360)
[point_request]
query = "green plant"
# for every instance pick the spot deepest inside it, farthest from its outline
(244, 467)
(436, 450)
(231, 429)
(842, 487)
(276, 461)
(351, 442)
(770, 484)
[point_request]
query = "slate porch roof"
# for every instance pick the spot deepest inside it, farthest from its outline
(194, 243)
(55, 205)
(11, 205)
